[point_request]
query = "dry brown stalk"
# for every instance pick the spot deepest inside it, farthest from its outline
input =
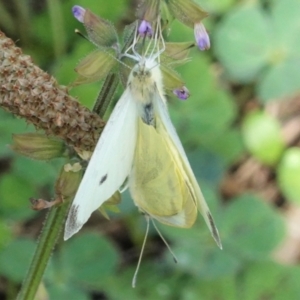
(28, 92)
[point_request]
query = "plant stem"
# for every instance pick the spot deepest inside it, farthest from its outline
(49, 236)
(111, 83)
(105, 96)
(58, 28)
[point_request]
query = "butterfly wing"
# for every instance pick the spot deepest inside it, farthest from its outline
(109, 165)
(155, 181)
(172, 134)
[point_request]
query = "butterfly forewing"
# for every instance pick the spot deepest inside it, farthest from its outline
(109, 165)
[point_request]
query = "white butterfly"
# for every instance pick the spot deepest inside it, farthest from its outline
(139, 144)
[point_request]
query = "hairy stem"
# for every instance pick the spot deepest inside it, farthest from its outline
(106, 94)
(49, 236)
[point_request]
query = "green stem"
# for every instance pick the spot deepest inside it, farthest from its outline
(24, 22)
(58, 28)
(105, 96)
(111, 83)
(49, 236)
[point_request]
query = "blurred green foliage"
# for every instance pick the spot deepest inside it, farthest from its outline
(261, 45)
(255, 45)
(262, 136)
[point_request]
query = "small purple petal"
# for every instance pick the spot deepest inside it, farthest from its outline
(78, 12)
(182, 93)
(145, 28)
(201, 36)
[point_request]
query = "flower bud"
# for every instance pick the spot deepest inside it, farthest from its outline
(78, 13)
(145, 29)
(69, 180)
(187, 11)
(201, 36)
(100, 32)
(182, 93)
(148, 10)
(38, 146)
(171, 80)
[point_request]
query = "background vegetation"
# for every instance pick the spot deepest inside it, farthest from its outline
(241, 130)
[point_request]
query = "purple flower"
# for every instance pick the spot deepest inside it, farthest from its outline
(78, 13)
(182, 93)
(145, 28)
(201, 36)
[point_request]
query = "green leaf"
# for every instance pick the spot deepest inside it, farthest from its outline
(262, 136)
(88, 259)
(63, 291)
(15, 259)
(9, 125)
(14, 194)
(6, 234)
(290, 287)
(212, 116)
(228, 146)
(154, 281)
(198, 254)
(261, 280)
(285, 15)
(284, 77)
(288, 174)
(37, 172)
(281, 80)
(216, 6)
(207, 166)
(243, 42)
(204, 119)
(211, 289)
(251, 228)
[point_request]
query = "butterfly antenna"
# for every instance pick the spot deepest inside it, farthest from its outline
(166, 243)
(162, 41)
(158, 37)
(155, 39)
(135, 56)
(141, 254)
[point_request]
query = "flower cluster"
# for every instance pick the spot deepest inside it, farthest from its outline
(186, 11)
(110, 50)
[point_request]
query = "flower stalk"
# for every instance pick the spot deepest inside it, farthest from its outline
(48, 239)
(28, 92)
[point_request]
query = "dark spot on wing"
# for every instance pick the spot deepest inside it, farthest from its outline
(214, 229)
(103, 179)
(72, 224)
(72, 219)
